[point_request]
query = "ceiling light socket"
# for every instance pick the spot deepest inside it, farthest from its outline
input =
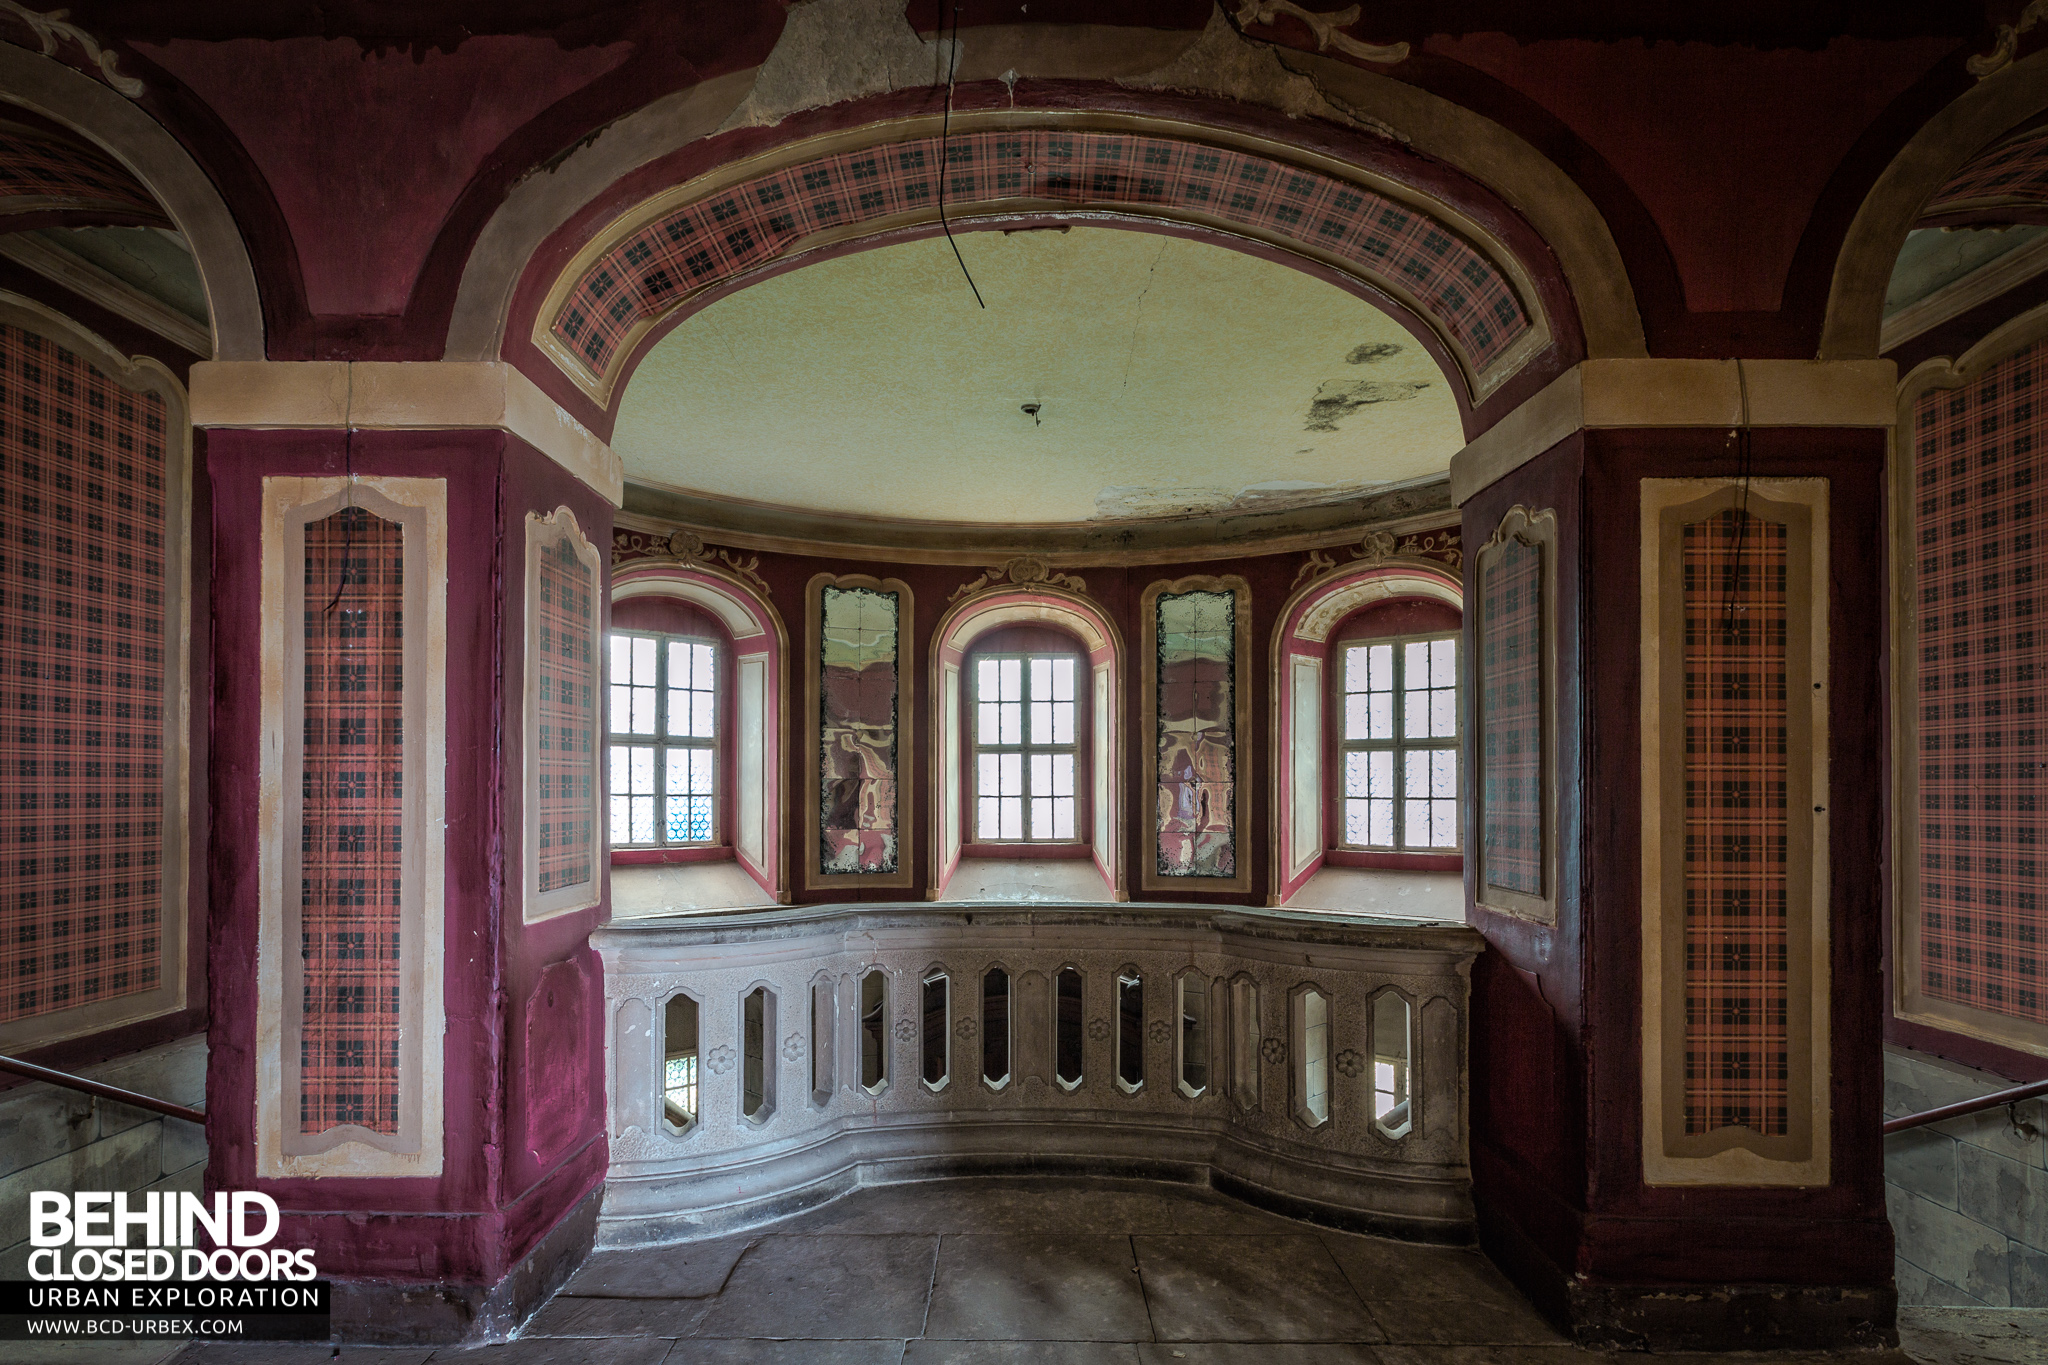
(1030, 410)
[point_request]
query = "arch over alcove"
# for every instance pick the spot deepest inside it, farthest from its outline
(760, 673)
(1298, 685)
(1457, 285)
(186, 194)
(1030, 600)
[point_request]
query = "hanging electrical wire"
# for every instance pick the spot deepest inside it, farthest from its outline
(945, 136)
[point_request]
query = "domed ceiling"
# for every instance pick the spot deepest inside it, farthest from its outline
(1113, 375)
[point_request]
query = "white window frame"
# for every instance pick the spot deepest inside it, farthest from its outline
(1400, 744)
(661, 742)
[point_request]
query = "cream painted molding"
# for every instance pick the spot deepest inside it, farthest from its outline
(420, 395)
(1679, 393)
(116, 295)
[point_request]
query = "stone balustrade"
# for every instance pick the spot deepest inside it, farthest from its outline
(763, 1062)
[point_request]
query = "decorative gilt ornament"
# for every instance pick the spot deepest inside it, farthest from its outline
(52, 26)
(1380, 547)
(1324, 26)
(2008, 45)
(685, 547)
(1024, 570)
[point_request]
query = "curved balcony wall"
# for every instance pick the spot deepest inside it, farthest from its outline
(1286, 1021)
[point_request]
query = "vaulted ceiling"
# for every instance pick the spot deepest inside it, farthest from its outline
(1169, 377)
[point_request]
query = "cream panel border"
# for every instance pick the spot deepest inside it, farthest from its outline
(407, 395)
(141, 374)
(421, 506)
(1305, 837)
(1677, 393)
(538, 905)
(1539, 530)
(1669, 1157)
(1907, 1001)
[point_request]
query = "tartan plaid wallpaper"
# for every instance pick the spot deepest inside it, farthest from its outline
(749, 224)
(566, 604)
(353, 811)
(1511, 587)
(1737, 1039)
(39, 171)
(2015, 171)
(1980, 455)
(82, 621)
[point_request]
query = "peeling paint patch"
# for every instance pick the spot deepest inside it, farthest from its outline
(1125, 502)
(832, 51)
(1372, 352)
(1339, 398)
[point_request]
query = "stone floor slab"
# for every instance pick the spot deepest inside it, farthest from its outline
(826, 1288)
(687, 1270)
(929, 1352)
(1380, 1269)
(1256, 1288)
(560, 1351)
(992, 1204)
(586, 1318)
(280, 1353)
(1463, 1322)
(1037, 1287)
(1257, 1353)
(757, 1351)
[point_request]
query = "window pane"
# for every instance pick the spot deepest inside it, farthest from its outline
(988, 818)
(1382, 778)
(1380, 670)
(1041, 817)
(1062, 679)
(1013, 818)
(1063, 722)
(1415, 664)
(1063, 818)
(622, 820)
(1415, 715)
(1443, 663)
(642, 822)
(1355, 674)
(1355, 827)
(643, 711)
(700, 667)
(1443, 774)
(641, 770)
(1062, 775)
(678, 718)
(987, 775)
(990, 728)
(700, 771)
(1443, 713)
(1354, 774)
(1041, 720)
(1381, 715)
(1381, 824)
(676, 777)
(1012, 675)
(1356, 724)
(701, 723)
(643, 661)
(1415, 824)
(1041, 774)
(621, 719)
(1415, 773)
(986, 685)
(1041, 679)
(1443, 824)
(1013, 721)
(1012, 767)
(622, 660)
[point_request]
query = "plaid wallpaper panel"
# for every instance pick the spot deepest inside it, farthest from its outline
(351, 838)
(1737, 1058)
(54, 172)
(752, 223)
(1980, 468)
(1512, 694)
(2015, 170)
(566, 601)
(82, 621)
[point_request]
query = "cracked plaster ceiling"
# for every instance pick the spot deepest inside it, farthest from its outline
(1171, 377)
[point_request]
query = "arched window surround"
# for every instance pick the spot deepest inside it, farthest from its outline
(1300, 687)
(758, 678)
(1039, 604)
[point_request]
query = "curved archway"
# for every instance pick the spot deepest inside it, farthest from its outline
(674, 252)
(154, 157)
(1863, 266)
(1300, 649)
(1030, 603)
(760, 673)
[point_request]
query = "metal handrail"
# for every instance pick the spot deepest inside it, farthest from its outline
(1976, 1106)
(104, 1091)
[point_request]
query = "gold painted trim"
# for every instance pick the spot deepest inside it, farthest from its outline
(1242, 677)
(537, 905)
(182, 845)
(763, 527)
(909, 779)
(601, 388)
(402, 395)
(421, 507)
(1908, 1003)
(1537, 530)
(1735, 1156)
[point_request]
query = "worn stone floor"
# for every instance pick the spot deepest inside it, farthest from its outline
(1054, 1273)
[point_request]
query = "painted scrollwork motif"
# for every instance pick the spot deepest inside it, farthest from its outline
(1024, 570)
(685, 547)
(1383, 547)
(1324, 26)
(52, 26)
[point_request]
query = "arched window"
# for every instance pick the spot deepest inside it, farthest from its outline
(668, 768)
(1394, 732)
(1027, 727)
